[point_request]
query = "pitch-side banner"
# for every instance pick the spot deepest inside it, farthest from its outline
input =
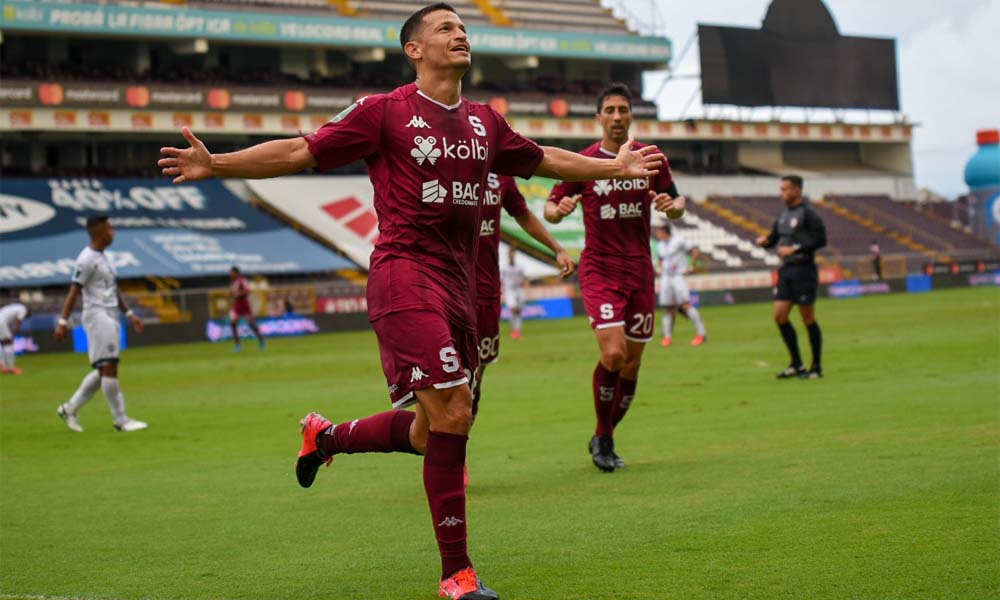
(340, 209)
(183, 231)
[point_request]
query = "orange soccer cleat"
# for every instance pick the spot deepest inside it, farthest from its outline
(310, 457)
(699, 340)
(13, 371)
(516, 334)
(465, 585)
(666, 342)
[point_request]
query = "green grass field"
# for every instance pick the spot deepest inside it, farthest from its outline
(880, 481)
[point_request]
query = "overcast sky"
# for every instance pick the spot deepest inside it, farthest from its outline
(949, 61)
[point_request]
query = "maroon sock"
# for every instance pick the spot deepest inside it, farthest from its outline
(384, 432)
(445, 486)
(624, 394)
(605, 382)
(236, 332)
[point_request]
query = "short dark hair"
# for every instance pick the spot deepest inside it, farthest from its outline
(94, 220)
(416, 19)
(615, 89)
(234, 269)
(795, 180)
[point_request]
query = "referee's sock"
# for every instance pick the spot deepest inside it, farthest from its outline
(816, 342)
(792, 341)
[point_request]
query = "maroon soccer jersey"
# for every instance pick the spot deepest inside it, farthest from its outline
(428, 165)
(501, 191)
(240, 291)
(616, 212)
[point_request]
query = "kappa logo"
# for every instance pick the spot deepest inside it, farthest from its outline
(417, 375)
(418, 122)
(425, 150)
(608, 212)
(354, 424)
(450, 522)
(603, 187)
(488, 227)
(434, 192)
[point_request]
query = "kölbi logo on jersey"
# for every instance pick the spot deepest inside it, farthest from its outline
(426, 149)
(603, 187)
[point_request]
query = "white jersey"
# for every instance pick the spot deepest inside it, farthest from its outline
(13, 312)
(674, 254)
(513, 279)
(96, 274)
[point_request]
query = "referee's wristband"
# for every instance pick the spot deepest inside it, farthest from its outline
(129, 313)
(62, 322)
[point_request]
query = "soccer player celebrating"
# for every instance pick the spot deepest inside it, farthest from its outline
(428, 152)
(501, 191)
(673, 251)
(95, 278)
(512, 276)
(239, 292)
(798, 233)
(616, 267)
(11, 317)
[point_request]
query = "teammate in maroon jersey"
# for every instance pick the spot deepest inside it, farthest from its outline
(239, 292)
(501, 191)
(616, 267)
(428, 152)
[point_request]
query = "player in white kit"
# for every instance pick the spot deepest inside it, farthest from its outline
(512, 275)
(11, 317)
(95, 277)
(673, 252)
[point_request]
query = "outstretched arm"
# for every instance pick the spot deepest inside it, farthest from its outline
(629, 164)
(533, 227)
(269, 159)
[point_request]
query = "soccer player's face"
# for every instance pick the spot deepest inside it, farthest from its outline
(789, 192)
(615, 118)
(442, 42)
(104, 234)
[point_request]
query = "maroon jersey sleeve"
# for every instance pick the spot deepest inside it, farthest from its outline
(565, 188)
(516, 155)
(352, 135)
(513, 201)
(664, 179)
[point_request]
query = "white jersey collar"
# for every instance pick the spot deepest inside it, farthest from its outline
(608, 152)
(441, 104)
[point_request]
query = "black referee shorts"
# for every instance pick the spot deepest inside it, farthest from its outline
(797, 283)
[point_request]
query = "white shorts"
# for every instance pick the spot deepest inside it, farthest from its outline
(514, 298)
(104, 334)
(674, 291)
(5, 333)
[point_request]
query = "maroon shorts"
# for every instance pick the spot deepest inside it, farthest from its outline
(488, 328)
(241, 308)
(420, 349)
(619, 295)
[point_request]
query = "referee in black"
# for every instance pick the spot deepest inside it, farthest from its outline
(798, 233)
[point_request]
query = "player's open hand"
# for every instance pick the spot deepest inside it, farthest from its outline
(60, 332)
(566, 264)
(674, 207)
(567, 205)
(187, 164)
(637, 164)
(785, 251)
(136, 323)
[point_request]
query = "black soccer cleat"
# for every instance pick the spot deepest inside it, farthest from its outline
(813, 373)
(602, 452)
(792, 372)
(619, 463)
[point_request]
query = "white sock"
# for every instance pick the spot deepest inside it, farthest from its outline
(116, 401)
(85, 392)
(515, 322)
(668, 325)
(695, 317)
(8, 356)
